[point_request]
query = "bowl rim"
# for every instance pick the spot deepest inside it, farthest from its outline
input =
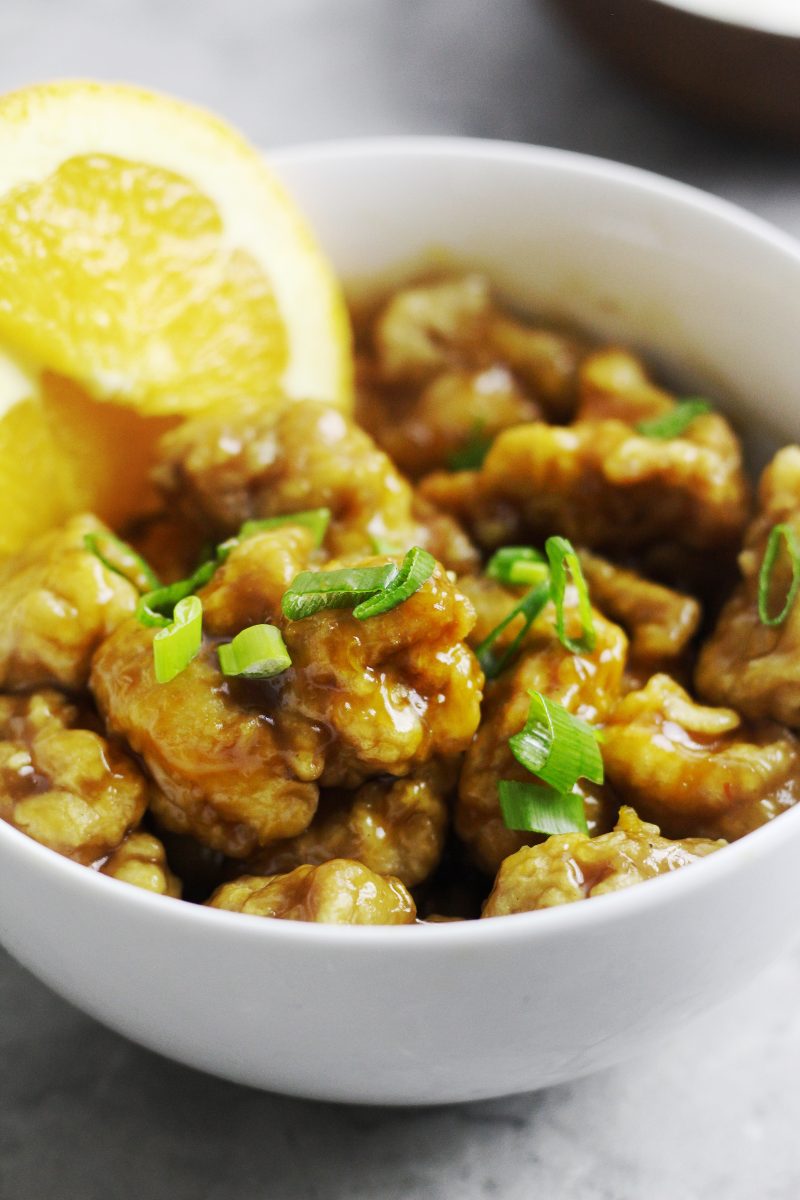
(517, 927)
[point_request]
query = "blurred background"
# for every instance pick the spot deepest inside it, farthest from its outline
(297, 70)
(86, 1115)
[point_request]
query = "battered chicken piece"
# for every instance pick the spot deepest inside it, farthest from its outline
(339, 892)
(57, 603)
(586, 684)
(393, 826)
(696, 770)
(571, 866)
(247, 588)
(458, 410)
(251, 459)
(613, 384)
(756, 666)
(428, 327)
(660, 622)
(234, 769)
(602, 485)
(545, 361)
(63, 784)
(393, 691)
(142, 861)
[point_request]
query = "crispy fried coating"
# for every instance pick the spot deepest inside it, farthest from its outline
(142, 861)
(393, 691)
(393, 826)
(247, 588)
(745, 663)
(614, 385)
(251, 460)
(695, 770)
(339, 892)
(572, 866)
(427, 327)
(603, 485)
(586, 684)
(459, 409)
(659, 621)
(545, 361)
(57, 603)
(61, 782)
(443, 369)
(235, 771)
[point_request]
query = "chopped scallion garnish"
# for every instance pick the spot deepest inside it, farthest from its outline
(470, 456)
(556, 746)
(675, 422)
(533, 809)
(518, 565)
(528, 608)
(122, 559)
(178, 642)
(778, 534)
(258, 652)
(416, 569)
(315, 519)
(311, 591)
(563, 560)
(369, 591)
(158, 607)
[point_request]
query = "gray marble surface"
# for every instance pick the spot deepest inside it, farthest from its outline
(86, 1115)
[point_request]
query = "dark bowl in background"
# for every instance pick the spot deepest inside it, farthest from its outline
(739, 75)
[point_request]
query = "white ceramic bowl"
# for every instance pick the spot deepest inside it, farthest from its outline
(462, 1011)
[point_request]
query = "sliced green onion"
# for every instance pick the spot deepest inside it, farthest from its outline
(415, 570)
(778, 534)
(563, 560)
(676, 421)
(528, 608)
(158, 607)
(470, 456)
(315, 519)
(258, 652)
(311, 591)
(517, 565)
(556, 746)
(176, 645)
(534, 809)
(125, 561)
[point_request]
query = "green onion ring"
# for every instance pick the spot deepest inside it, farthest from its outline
(556, 746)
(258, 652)
(177, 644)
(415, 570)
(778, 533)
(533, 809)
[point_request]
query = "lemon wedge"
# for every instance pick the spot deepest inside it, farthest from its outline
(150, 266)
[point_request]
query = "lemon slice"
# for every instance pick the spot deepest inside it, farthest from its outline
(150, 266)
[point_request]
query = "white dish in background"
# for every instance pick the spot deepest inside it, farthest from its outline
(773, 16)
(462, 1011)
